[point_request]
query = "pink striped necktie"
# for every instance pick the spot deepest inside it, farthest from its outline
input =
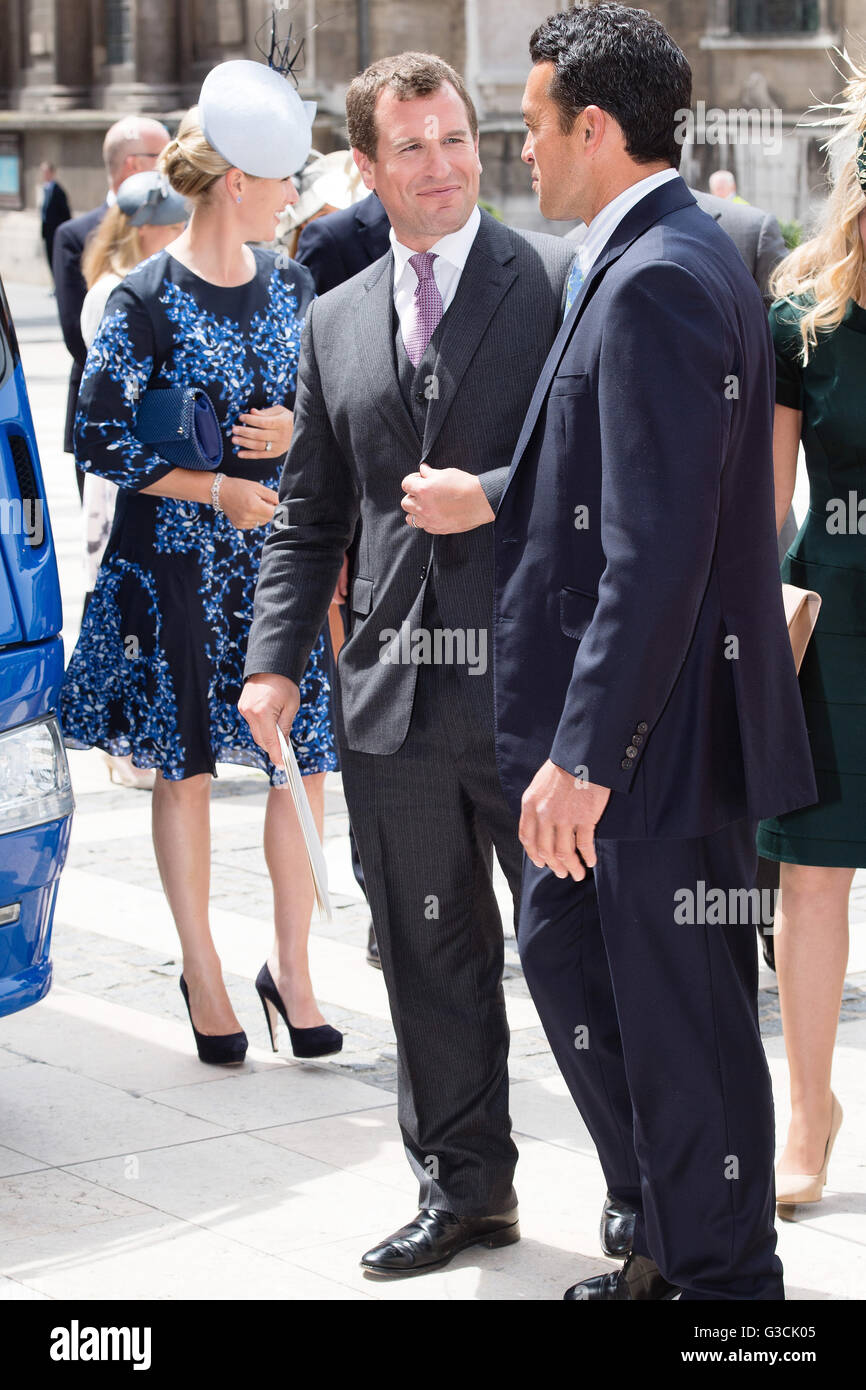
(426, 307)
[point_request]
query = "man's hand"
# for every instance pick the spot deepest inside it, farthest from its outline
(558, 817)
(266, 701)
(445, 500)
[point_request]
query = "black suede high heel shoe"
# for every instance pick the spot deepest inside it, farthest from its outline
(220, 1049)
(322, 1041)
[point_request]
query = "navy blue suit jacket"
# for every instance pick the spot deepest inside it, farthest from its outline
(70, 290)
(338, 246)
(641, 644)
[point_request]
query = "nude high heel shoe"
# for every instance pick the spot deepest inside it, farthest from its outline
(797, 1189)
(123, 773)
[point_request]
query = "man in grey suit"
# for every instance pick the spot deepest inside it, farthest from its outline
(755, 233)
(414, 379)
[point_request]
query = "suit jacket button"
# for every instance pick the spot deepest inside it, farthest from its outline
(637, 739)
(625, 764)
(631, 751)
(420, 396)
(423, 571)
(641, 728)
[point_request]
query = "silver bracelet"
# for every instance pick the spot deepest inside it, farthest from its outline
(215, 492)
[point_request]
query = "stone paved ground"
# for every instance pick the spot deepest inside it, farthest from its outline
(129, 1170)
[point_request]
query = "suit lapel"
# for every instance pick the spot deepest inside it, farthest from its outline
(670, 197)
(485, 278)
(376, 351)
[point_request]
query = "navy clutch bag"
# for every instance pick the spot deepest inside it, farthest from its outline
(181, 424)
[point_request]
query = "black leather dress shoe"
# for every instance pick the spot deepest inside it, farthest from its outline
(616, 1232)
(639, 1278)
(373, 949)
(435, 1237)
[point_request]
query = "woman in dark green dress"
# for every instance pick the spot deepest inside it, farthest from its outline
(819, 330)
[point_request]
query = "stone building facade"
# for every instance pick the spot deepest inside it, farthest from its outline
(68, 68)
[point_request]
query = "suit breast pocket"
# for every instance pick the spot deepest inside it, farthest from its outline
(576, 609)
(570, 384)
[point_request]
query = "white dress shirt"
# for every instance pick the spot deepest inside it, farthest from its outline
(605, 223)
(450, 251)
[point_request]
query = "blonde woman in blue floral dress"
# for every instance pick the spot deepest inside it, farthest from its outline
(158, 668)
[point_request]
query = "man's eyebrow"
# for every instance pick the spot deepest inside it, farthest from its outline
(410, 139)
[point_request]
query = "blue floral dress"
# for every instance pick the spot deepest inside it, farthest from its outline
(158, 668)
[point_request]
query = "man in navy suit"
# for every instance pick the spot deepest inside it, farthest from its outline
(55, 207)
(647, 705)
(338, 246)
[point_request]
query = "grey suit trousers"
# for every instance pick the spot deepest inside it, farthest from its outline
(427, 819)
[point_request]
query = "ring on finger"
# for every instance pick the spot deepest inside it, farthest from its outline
(269, 446)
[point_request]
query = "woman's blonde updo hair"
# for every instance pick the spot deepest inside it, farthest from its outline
(191, 165)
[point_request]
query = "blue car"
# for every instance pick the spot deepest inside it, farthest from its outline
(35, 791)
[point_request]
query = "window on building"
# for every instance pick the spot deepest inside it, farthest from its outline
(118, 32)
(776, 16)
(36, 24)
(10, 172)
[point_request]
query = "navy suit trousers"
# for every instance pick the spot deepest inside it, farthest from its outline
(653, 1023)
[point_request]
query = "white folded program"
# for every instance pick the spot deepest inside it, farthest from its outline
(801, 614)
(315, 854)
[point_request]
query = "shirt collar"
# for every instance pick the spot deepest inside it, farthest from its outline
(453, 248)
(605, 222)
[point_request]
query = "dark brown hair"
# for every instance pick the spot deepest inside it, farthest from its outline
(408, 75)
(623, 60)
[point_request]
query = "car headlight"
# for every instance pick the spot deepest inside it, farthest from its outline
(34, 776)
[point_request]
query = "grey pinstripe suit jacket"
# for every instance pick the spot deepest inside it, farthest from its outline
(355, 440)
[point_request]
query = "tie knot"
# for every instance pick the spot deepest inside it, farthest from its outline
(422, 264)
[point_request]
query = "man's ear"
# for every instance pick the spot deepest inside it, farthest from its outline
(596, 121)
(365, 165)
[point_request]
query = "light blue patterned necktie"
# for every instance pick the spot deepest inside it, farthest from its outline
(575, 280)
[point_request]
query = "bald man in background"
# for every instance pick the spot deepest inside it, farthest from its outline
(131, 146)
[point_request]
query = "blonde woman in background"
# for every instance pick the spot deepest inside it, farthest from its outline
(147, 215)
(819, 330)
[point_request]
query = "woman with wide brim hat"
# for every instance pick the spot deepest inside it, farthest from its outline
(158, 668)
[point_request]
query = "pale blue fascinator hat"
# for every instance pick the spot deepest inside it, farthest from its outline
(253, 116)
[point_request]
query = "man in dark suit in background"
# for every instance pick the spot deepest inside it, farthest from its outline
(131, 146)
(339, 245)
(55, 207)
(644, 678)
(415, 375)
(755, 233)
